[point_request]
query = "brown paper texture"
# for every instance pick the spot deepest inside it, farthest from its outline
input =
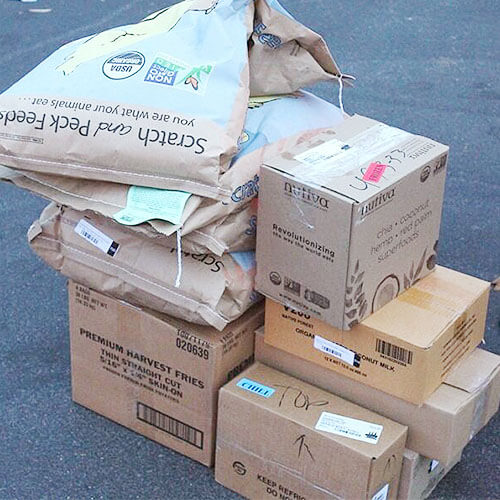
(213, 290)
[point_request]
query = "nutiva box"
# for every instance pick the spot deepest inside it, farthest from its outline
(349, 219)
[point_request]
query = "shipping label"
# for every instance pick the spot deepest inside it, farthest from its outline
(351, 428)
(336, 350)
(96, 237)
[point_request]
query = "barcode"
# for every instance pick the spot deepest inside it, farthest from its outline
(170, 425)
(394, 351)
(103, 242)
(84, 233)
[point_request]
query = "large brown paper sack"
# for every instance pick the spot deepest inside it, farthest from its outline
(101, 255)
(273, 125)
(230, 233)
(285, 55)
(159, 103)
(234, 233)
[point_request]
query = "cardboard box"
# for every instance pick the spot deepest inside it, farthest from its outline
(280, 437)
(441, 427)
(407, 348)
(420, 475)
(349, 219)
(154, 374)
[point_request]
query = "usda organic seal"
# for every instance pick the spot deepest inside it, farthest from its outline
(123, 65)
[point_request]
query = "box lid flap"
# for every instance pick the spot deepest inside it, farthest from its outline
(473, 372)
(338, 159)
(420, 314)
(306, 405)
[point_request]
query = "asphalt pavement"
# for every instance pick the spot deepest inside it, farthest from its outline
(430, 67)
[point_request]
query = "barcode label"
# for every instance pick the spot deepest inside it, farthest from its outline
(395, 352)
(337, 351)
(433, 465)
(352, 428)
(170, 425)
(96, 237)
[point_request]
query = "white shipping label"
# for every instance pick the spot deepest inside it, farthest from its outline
(349, 427)
(382, 494)
(335, 158)
(321, 154)
(96, 237)
(333, 349)
(433, 465)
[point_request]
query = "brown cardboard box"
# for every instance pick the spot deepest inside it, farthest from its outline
(349, 219)
(280, 437)
(407, 348)
(441, 427)
(420, 475)
(156, 375)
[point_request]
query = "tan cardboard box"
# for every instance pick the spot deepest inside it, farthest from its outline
(406, 348)
(154, 374)
(420, 475)
(349, 219)
(441, 427)
(280, 437)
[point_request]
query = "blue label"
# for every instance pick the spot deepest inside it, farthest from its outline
(245, 259)
(256, 388)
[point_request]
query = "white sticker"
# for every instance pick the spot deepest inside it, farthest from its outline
(433, 465)
(323, 153)
(334, 350)
(349, 427)
(337, 158)
(96, 237)
(382, 494)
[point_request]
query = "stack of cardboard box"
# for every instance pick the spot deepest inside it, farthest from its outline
(368, 382)
(382, 410)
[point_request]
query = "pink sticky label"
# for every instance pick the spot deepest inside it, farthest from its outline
(374, 172)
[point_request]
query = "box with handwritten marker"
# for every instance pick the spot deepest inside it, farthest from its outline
(349, 219)
(280, 437)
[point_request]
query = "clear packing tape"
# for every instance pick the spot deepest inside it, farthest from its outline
(333, 158)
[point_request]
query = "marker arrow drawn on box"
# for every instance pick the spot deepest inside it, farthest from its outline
(301, 441)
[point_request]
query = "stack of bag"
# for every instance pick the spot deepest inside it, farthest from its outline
(149, 137)
(152, 142)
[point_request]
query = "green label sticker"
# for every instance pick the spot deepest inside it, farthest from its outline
(144, 203)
